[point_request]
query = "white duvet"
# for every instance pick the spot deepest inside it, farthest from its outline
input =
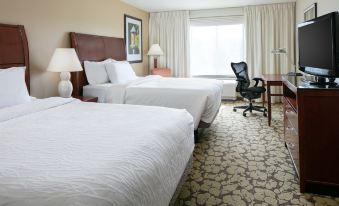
(200, 97)
(65, 152)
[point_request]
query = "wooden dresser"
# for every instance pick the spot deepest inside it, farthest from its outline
(311, 126)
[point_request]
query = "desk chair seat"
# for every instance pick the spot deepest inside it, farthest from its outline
(251, 93)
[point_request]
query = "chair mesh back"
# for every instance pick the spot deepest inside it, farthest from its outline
(241, 72)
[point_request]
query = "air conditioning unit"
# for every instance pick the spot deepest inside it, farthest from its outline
(229, 86)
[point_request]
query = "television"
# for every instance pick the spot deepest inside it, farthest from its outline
(319, 47)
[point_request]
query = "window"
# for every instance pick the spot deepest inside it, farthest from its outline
(213, 48)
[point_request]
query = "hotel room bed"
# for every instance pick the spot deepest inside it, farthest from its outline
(64, 152)
(200, 97)
(58, 151)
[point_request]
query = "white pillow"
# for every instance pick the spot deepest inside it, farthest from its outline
(13, 88)
(120, 72)
(96, 72)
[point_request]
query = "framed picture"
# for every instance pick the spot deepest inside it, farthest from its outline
(310, 12)
(133, 39)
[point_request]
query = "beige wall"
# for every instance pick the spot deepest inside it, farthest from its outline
(324, 7)
(48, 24)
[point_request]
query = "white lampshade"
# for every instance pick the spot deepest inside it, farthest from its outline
(155, 50)
(64, 60)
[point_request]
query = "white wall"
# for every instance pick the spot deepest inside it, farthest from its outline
(324, 7)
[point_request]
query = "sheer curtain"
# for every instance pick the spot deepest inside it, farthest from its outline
(269, 27)
(213, 48)
(216, 40)
(171, 31)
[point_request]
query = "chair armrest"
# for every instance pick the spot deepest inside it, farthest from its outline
(257, 81)
(241, 79)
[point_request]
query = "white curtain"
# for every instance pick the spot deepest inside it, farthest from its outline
(269, 27)
(171, 31)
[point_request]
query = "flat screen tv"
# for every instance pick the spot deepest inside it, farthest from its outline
(319, 46)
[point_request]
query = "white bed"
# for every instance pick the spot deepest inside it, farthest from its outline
(106, 62)
(200, 97)
(65, 152)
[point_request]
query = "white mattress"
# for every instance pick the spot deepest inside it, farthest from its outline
(200, 97)
(64, 152)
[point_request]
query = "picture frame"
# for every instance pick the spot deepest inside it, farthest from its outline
(311, 12)
(133, 39)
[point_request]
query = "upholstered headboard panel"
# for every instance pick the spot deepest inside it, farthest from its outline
(94, 48)
(14, 48)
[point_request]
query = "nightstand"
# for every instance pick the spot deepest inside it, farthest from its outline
(165, 72)
(86, 99)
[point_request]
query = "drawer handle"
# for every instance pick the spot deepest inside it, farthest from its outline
(290, 145)
(289, 110)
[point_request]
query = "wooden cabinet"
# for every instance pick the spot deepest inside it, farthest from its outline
(165, 72)
(311, 126)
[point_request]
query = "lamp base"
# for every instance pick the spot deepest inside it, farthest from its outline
(155, 62)
(65, 86)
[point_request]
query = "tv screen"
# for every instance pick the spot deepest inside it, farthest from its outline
(317, 44)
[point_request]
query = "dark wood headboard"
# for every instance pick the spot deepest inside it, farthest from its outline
(14, 48)
(94, 48)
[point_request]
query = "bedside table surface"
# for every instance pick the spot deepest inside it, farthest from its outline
(86, 99)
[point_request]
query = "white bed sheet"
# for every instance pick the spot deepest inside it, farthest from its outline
(124, 155)
(98, 90)
(200, 97)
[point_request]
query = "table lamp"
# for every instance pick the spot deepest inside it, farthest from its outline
(155, 51)
(64, 60)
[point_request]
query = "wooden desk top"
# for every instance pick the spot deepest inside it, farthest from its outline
(272, 77)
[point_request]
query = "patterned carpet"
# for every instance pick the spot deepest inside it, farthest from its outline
(242, 161)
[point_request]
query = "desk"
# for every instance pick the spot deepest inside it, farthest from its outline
(271, 80)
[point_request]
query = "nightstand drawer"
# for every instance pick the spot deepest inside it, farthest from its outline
(165, 72)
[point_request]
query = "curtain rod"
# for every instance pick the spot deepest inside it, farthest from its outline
(216, 16)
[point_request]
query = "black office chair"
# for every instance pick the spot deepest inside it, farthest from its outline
(241, 72)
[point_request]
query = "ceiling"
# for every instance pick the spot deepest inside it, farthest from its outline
(168, 5)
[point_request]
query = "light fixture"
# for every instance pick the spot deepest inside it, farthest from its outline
(64, 60)
(155, 51)
(284, 51)
(279, 51)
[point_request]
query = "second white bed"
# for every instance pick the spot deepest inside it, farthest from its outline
(200, 97)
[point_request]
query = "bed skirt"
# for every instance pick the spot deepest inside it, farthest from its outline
(182, 181)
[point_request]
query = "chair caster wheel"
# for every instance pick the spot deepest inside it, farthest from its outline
(244, 114)
(234, 110)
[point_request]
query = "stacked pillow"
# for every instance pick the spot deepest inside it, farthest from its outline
(120, 72)
(13, 88)
(96, 71)
(116, 72)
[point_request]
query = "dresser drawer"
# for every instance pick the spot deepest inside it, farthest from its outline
(292, 143)
(291, 115)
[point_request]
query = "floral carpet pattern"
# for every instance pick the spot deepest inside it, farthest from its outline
(242, 161)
